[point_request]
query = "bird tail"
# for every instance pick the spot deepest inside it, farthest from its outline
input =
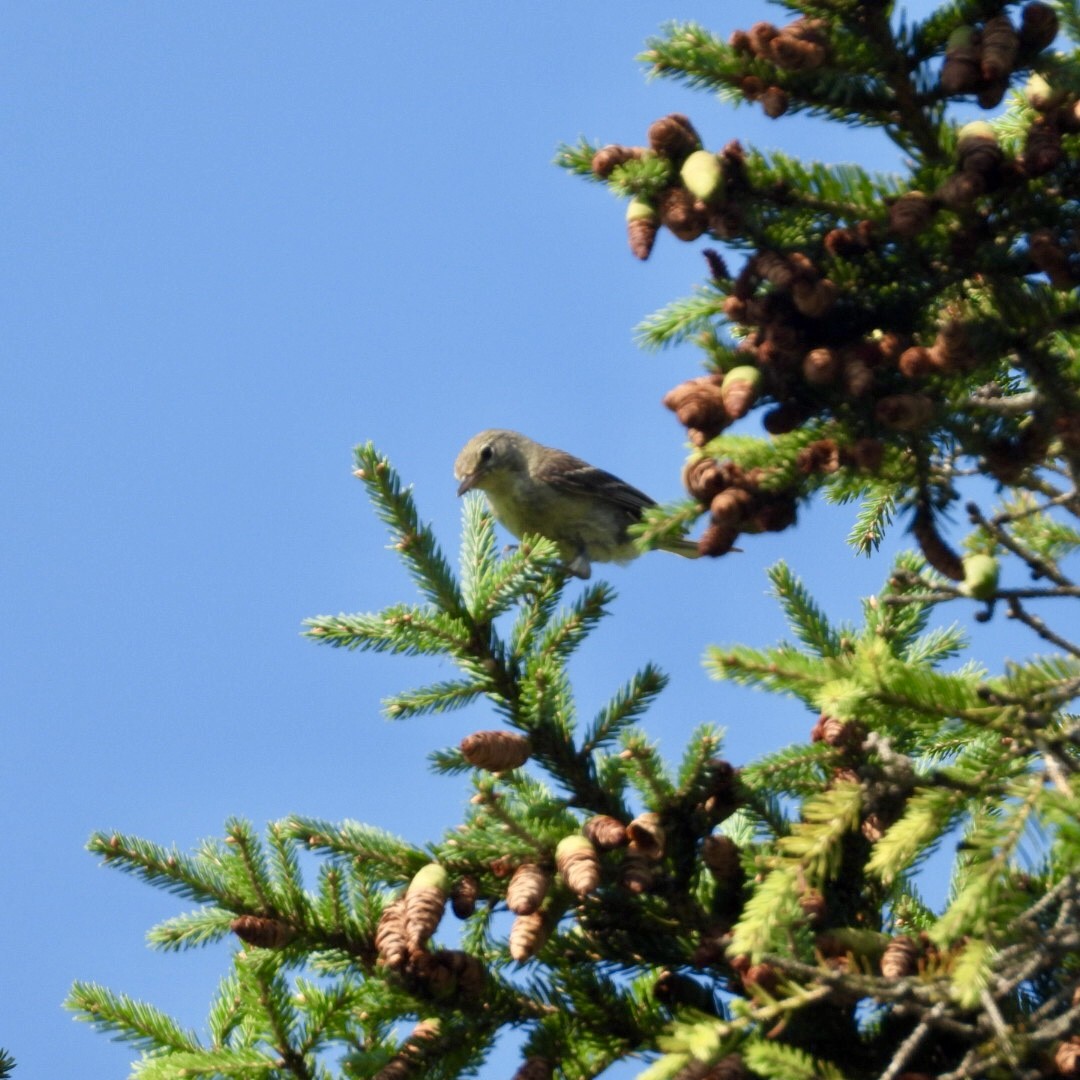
(688, 549)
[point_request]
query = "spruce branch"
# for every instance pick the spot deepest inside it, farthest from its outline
(413, 539)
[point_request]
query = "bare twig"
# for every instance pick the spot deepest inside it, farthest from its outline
(1017, 611)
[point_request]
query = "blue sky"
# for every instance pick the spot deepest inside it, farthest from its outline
(239, 240)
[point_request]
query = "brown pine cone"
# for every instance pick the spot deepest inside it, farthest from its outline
(578, 864)
(608, 158)
(674, 137)
(721, 855)
(900, 958)
(682, 215)
(535, 1068)
(774, 102)
(605, 832)
(1042, 148)
(910, 214)
(961, 72)
(1000, 44)
(646, 836)
(699, 403)
(463, 896)
(261, 932)
(1038, 26)
(527, 936)
(527, 889)
(496, 751)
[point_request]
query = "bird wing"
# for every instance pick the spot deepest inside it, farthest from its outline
(571, 474)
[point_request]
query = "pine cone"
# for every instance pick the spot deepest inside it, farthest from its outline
(535, 1068)
(703, 176)
(717, 540)
(978, 150)
(261, 932)
(820, 367)
(916, 362)
(425, 902)
(739, 41)
(774, 102)
(801, 46)
(605, 832)
(845, 243)
(937, 553)
(636, 874)
(496, 751)
(1042, 148)
(774, 268)
(785, 418)
(1038, 26)
(900, 958)
(406, 1061)
(1067, 1057)
(961, 190)
(578, 864)
(527, 936)
(961, 71)
(761, 35)
(390, 939)
(867, 454)
(527, 889)
(699, 403)
(840, 733)
(740, 388)
(447, 972)
(991, 93)
(647, 836)
(681, 214)
(721, 855)
(608, 158)
(1041, 96)
(674, 137)
(704, 478)
(730, 507)
(463, 896)
(774, 513)
(642, 222)
(821, 456)
(910, 214)
(1000, 44)
(752, 87)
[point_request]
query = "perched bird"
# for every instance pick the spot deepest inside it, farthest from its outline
(535, 489)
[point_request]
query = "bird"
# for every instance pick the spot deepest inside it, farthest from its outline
(536, 489)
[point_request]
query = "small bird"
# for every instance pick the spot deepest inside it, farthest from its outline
(535, 489)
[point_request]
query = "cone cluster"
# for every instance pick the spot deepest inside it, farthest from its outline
(702, 189)
(979, 60)
(801, 46)
(405, 929)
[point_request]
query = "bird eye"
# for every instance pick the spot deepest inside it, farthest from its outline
(485, 453)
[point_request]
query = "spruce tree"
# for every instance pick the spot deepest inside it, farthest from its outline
(899, 337)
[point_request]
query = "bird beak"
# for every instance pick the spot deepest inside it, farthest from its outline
(467, 484)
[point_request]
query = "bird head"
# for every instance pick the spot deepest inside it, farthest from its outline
(486, 456)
